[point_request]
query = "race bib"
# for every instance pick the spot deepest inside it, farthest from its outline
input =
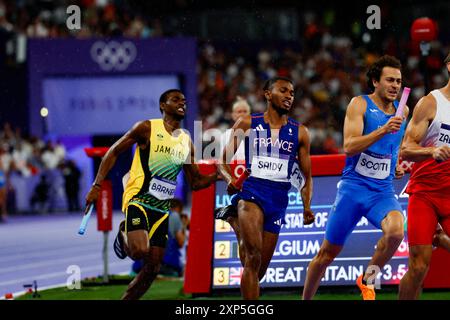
(297, 178)
(373, 165)
(444, 135)
(270, 168)
(162, 189)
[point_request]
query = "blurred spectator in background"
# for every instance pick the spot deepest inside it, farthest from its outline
(186, 223)
(72, 177)
(40, 199)
(240, 108)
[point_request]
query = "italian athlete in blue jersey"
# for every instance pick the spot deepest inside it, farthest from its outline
(276, 150)
(372, 138)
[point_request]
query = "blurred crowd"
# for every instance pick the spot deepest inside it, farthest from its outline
(42, 166)
(42, 19)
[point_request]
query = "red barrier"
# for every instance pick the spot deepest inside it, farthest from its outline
(104, 207)
(197, 278)
(199, 256)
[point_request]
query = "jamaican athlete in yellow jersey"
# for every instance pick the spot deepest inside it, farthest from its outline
(154, 171)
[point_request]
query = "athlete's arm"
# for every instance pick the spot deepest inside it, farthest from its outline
(423, 115)
(140, 134)
(194, 177)
(305, 166)
(354, 141)
(242, 125)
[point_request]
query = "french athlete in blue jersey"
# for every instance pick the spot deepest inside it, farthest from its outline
(276, 149)
(372, 138)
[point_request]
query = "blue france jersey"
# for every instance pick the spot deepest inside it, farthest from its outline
(375, 166)
(271, 158)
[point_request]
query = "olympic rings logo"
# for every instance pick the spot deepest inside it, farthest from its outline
(113, 55)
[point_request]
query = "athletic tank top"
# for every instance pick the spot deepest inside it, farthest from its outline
(429, 175)
(154, 171)
(375, 166)
(272, 154)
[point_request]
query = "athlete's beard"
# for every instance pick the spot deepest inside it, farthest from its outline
(279, 110)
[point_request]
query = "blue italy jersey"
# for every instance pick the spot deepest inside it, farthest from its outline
(375, 166)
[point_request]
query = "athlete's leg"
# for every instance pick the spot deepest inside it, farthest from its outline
(268, 247)
(317, 267)
(148, 273)
(418, 265)
(251, 220)
(136, 244)
(234, 223)
(344, 216)
(422, 222)
(392, 226)
(136, 238)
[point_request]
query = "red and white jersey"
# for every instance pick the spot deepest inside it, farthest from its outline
(429, 175)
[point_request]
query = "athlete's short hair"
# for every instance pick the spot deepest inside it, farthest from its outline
(165, 95)
(269, 83)
(377, 67)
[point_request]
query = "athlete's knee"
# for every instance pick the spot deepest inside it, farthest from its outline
(395, 235)
(418, 268)
(137, 251)
(394, 228)
(151, 269)
(253, 258)
(325, 256)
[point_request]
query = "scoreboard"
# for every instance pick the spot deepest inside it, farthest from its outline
(298, 243)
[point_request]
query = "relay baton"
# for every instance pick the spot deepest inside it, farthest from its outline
(85, 220)
(240, 181)
(402, 104)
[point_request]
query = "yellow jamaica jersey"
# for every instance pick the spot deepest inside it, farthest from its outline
(154, 171)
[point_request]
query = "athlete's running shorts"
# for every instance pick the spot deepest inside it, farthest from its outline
(353, 202)
(156, 223)
(270, 196)
(425, 211)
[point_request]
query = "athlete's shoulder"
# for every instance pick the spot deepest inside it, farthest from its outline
(426, 107)
(357, 104)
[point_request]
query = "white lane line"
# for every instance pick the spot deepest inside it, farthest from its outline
(58, 274)
(49, 263)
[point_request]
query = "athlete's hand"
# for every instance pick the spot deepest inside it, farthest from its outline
(399, 172)
(308, 217)
(231, 188)
(441, 153)
(92, 196)
(393, 125)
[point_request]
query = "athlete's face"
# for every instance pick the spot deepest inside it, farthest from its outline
(389, 85)
(175, 105)
(281, 96)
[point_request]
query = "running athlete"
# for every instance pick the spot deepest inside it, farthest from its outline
(163, 149)
(427, 142)
(372, 137)
(274, 145)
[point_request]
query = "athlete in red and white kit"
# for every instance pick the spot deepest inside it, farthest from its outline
(427, 142)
